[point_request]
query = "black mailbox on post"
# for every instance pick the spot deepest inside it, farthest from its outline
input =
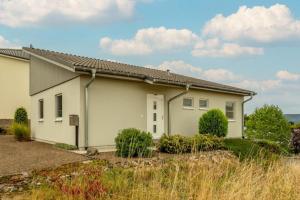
(74, 121)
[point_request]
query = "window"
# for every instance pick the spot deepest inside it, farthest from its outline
(230, 110)
(154, 117)
(58, 106)
(203, 103)
(154, 128)
(41, 109)
(188, 102)
(154, 105)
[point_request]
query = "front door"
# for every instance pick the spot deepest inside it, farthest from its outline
(155, 115)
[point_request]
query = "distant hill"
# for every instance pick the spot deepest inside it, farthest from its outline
(294, 118)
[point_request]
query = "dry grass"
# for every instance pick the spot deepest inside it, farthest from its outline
(188, 178)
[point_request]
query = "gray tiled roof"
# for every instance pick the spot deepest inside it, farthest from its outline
(18, 53)
(80, 63)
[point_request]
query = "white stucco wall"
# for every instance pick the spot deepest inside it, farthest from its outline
(185, 121)
(14, 86)
(118, 104)
(50, 130)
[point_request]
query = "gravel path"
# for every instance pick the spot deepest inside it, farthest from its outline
(18, 157)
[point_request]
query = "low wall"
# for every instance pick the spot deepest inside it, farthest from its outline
(5, 123)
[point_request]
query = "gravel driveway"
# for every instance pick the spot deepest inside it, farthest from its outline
(18, 157)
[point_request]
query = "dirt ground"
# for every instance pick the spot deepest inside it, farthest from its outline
(18, 157)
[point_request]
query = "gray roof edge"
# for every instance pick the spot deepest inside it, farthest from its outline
(84, 69)
(2, 52)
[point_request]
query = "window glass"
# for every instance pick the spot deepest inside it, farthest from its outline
(154, 128)
(203, 103)
(154, 117)
(41, 109)
(188, 102)
(58, 106)
(154, 105)
(230, 110)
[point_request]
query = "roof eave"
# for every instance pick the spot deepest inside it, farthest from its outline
(14, 57)
(70, 68)
(163, 82)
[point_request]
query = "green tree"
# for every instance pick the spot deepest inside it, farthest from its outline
(268, 122)
(21, 116)
(213, 122)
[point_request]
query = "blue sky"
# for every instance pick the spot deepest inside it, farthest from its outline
(249, 44)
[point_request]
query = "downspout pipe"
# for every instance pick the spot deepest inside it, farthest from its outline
(86, 102)
(169, 103)
(243, 113)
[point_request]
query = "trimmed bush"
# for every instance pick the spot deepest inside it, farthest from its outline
(177, 144)
(21, 131)
(272, 146)
(247, 149)
(205, 142)
(213, 122)
(269, 123)
(132, 142)
(21, 116)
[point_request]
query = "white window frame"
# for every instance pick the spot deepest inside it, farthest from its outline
(188, 107)
(207, 104)
(234, 112)
(58, 118)
(41, 118)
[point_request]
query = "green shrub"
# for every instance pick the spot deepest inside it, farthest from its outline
(269, 123)
(247, 149)
(205, 142)
(65, 146)
(272, 146)
(295, 126)
(132, 142)
(175, 144)
(21, 131)
(21, 116)
(213, 122)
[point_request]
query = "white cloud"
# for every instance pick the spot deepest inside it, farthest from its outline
(16, 13)
(219, 75)
(286, 75)
(259, 85)
(181, 67)
(258, 23)
(222, 36)
(148, 40)
(214, 48)
(4, 43)
(125, 47)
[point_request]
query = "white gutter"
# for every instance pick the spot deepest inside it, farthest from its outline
(86, 116)
(243, 114)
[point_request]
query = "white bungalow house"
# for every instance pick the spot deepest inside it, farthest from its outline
(103, 97)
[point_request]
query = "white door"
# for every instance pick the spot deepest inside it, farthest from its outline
(155, 115)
